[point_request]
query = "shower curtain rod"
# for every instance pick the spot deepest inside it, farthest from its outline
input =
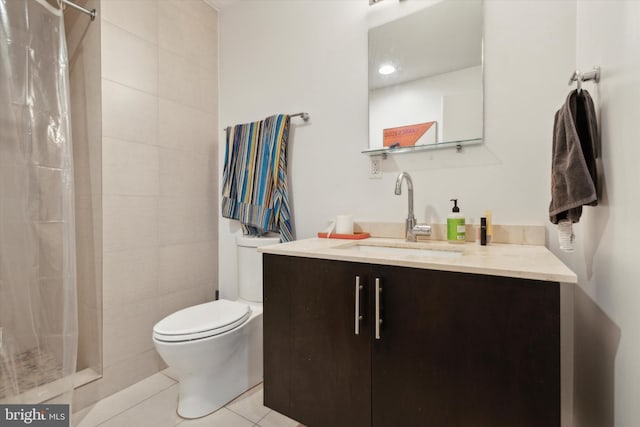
(305, 117)
(91, 13)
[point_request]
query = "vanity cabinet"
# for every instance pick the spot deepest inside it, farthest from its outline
(454, 349)
(316, 370)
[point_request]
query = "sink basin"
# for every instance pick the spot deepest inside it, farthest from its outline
(404, 251)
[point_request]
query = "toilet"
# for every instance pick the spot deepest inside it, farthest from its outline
(215, 349)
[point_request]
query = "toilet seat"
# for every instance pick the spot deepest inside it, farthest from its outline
(201, 321)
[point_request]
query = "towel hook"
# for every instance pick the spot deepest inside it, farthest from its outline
(580, 78)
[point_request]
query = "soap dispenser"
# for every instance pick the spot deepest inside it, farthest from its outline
(455, 224)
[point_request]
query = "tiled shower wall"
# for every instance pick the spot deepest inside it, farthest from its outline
(83, 43)
(159, 147)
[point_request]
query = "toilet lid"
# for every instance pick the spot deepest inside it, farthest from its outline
(201, 321)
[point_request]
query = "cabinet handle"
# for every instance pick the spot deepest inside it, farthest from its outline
(358, 316)
(378, 319)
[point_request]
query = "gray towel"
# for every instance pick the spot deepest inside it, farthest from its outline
(573, 167)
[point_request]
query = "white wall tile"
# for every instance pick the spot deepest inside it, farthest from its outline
(208, 82)
(85, 103)
(207, 15)
(174, 27)
(89, 335)
(89, 252)
(186, 219)
(129, 222)
(139, 17)
(130, 276)
(128, 329)
(130, 168)
(128, 113)
(185, 266)
(175, 301)
(178, 79)
(188, 34)
(150, 97)
(186, 128)
(128, 59)
(186, 174)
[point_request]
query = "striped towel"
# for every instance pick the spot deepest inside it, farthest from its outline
(254, 187)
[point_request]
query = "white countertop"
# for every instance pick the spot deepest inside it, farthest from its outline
(508, 260)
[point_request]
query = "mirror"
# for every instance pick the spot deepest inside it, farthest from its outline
(435, 94)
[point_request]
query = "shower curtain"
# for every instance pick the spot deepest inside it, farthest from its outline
(38, 316)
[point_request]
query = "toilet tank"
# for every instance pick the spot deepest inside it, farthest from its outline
(250, 265)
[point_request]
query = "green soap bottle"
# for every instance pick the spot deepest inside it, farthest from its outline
(455, 224)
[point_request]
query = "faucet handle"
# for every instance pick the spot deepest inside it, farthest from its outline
(422, 230)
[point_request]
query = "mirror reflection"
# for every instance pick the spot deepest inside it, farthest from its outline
(425, 77)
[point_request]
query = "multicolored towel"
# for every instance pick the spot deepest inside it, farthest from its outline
(254, 187)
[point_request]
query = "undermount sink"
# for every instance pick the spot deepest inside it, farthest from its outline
(410, 251)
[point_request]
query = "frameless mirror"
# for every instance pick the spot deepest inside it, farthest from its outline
(425, 78)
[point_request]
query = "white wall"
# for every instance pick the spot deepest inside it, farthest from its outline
(290, 56)
(608, 35)
(285, 56)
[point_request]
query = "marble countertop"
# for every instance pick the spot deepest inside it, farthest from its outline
(508, 260)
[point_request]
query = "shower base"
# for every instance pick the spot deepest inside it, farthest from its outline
(39, 378)
(32, 368)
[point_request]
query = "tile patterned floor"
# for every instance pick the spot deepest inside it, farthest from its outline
(152, 403)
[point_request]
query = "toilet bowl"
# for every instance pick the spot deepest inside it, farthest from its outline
(215, 348)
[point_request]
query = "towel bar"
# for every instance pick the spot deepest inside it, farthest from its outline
(304, 116)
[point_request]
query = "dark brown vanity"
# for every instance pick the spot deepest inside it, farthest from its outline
(452, 349)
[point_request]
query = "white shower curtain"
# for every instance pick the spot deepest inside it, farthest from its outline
(38, 316)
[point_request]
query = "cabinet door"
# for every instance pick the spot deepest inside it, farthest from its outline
(316, 369)
(462, 350)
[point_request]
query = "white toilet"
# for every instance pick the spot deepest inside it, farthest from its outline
(215, 349)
